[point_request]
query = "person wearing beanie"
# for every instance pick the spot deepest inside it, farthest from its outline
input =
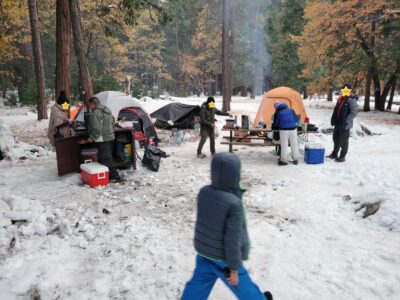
(345, 111)
(285, 122)
(221, 238)
(207, 125)
(59, 124)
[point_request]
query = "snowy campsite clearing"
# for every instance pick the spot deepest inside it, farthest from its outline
(311, 233)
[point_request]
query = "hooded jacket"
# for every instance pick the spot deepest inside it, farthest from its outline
(207, 115)
(58, 123)
(345, 111)
(101, 124)
(284, 118)
(221, 230)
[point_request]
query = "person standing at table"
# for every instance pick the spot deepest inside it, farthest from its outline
(285, 120)
(207, 125)
(59, 124)
(345, 111)
(101, 132)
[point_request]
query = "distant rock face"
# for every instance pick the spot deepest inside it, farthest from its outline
(4, 209)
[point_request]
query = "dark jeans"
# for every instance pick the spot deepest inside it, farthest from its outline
(106, 157)
(206, 132)
(341, 142)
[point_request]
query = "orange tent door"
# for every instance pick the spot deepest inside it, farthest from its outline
(281, 94)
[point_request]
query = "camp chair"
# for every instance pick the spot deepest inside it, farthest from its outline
(178, 136)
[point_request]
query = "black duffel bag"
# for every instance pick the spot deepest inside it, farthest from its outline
(152, 157)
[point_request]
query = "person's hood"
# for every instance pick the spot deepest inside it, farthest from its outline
(104, 108)
(225, 173)
(282, 106)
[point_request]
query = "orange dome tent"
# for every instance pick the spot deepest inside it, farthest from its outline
(281, 94)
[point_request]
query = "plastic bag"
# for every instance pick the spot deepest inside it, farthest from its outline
(152, 157)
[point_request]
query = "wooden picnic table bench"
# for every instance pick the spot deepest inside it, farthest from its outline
(244, 137)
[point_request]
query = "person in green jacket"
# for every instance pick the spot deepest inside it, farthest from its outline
(101, 133)
(207, 125)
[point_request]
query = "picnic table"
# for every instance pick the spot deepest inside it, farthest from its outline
(255, 137)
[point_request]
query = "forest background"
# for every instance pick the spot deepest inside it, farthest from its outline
(176, 47)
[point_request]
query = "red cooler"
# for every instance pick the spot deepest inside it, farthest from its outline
(94, 174)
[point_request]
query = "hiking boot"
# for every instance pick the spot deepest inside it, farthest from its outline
(332, 156)
(268, 295)
(201, 155)
(295, 162)
(340, 159)
(282, 163)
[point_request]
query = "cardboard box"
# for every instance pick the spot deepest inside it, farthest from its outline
(94, 174)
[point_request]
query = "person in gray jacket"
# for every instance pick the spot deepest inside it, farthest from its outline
(221, 238)
(345, 111)
(101, 132)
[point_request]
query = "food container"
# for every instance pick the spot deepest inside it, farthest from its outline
(230, 122)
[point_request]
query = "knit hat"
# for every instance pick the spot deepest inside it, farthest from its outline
(62, 98)
(348, 85)
(210, 99)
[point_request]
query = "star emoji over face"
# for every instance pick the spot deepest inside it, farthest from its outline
(346, 91)
(65, 105)
(211, 105)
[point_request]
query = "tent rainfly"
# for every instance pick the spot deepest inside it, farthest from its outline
(179, 114)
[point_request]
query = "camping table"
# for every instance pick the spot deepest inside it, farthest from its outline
(251, 134)
(68, 152)
(247, 134)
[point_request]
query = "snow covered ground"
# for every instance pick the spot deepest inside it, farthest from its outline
(134, 241)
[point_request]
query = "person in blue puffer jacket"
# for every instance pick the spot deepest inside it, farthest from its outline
(221, 238)
(285, 120)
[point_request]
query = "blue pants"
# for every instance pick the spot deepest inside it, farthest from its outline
(208, 271)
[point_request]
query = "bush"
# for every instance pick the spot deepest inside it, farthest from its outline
(11, 100)
(29, 94)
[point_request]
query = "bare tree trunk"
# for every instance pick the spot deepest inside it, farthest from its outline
(305, 93)
(84, 74)
(63, 55)
(243, 91)
(29, 61)
(227, 51)
(128, 85)
(367, 91)
(330, 94)
(389, 106)
(37, 53)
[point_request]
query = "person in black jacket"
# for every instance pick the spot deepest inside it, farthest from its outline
(207, 125)
(221, 238)
(345, 111)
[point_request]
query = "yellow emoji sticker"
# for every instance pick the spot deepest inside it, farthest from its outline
(211, 105)
(65, 105)
(346, 91)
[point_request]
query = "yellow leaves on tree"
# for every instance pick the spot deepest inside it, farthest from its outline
(330, 44)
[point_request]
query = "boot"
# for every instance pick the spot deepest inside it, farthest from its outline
(332, 156)
(268, 295)
(295, 162)
(282, 163)
(340, 159)
(201, 155)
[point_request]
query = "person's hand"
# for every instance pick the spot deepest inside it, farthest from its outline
(213, 125)
(233, 278)
(82, 142)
